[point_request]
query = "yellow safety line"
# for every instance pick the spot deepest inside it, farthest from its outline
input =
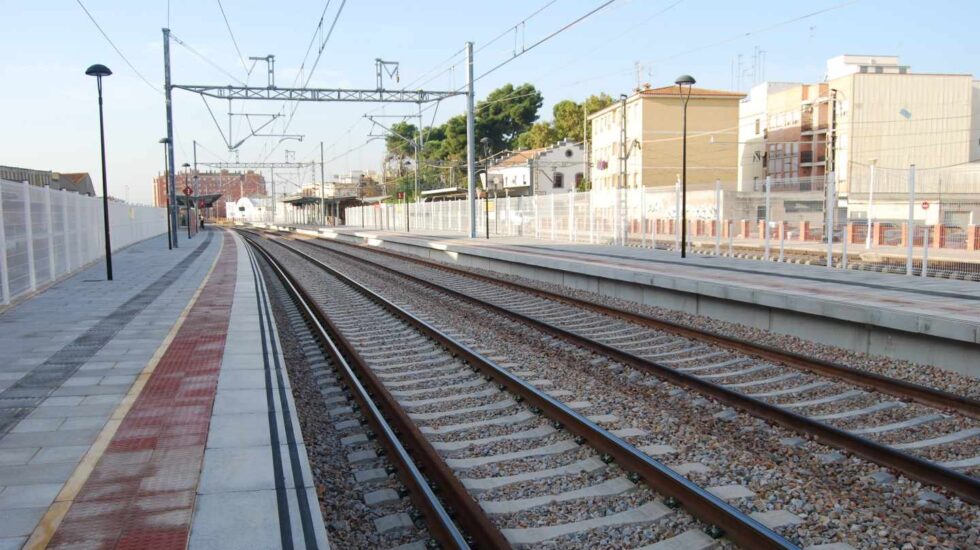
(59, 508)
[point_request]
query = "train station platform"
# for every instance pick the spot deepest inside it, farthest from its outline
(152, 411)
(928, 321)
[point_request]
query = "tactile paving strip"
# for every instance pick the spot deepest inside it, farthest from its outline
(141, 492)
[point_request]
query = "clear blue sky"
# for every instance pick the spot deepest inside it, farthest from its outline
(48, 111)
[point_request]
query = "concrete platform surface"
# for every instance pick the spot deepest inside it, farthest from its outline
(108, 436)
(934, 321)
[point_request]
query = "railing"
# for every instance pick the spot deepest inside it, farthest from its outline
(46, 234)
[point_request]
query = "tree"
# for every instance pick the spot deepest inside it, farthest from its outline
(568, 120)
(506, 113)
(541, 134)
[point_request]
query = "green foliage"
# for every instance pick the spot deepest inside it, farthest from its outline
(541, 134)
(506, 117)
(506, 113)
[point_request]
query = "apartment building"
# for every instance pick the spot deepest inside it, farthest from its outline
(653, 139)
(870, 110)
(230, 185)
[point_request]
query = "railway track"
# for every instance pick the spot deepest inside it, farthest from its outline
(511, 463)
(922, 432)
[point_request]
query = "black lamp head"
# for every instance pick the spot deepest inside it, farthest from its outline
(98, 70)
(685, 80)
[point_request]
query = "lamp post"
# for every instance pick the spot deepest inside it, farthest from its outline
(682, 81)
(195, 196)
(166, 180)
(187, 171)
(99, 71)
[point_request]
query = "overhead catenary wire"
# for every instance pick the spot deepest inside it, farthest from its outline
(116, 48)
(204, 58)
(233, 40)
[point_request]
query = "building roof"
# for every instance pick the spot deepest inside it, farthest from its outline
(695, 92)
(519, 158)
(79, 182)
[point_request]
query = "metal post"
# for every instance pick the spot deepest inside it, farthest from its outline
(188, 197)
(272, 178)
(731, 239)
(486, 211)
(571, 214)
(677, 213)
(4, 275)
(844, 237)
(871, 196)
(925, 250)
(717, 217)
(619, 232)
(47, 208)
(551, 197)
(172, 174)
(643, 217)
(782, 246)
(831, 211)
(105, 190)
(684, 181)
(766, 228)
(323, 179)
(470, 141)
(910, 232)
(29, 235)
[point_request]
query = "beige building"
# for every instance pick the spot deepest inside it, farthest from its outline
(653, 139)
(870, 110)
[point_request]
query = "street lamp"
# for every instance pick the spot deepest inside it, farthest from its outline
(166, 183)
(187, 171)
(98, 71)
(682, 81)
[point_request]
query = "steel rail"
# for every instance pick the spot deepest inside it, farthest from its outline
(736, 525)
(923, 470)
(438, 519)
(902, 389)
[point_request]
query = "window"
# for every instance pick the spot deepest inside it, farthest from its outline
(559, 180)
(757, 126)
(579, 178)
(568, 153)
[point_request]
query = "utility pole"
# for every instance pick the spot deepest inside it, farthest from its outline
(323, 179)
(470, 141)
(171, 184)
(272, 179)
(585, 144)
(620, 235)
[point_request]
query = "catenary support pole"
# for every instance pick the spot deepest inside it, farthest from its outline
(871, 199)
(717, 217)
(172, 174)
(470, 141)
(323, 179)
(766, 229)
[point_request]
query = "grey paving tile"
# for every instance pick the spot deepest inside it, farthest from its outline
(48, 439)
(239, 430)
(38, 425)
(35, 473)
(16, 456)
(20, 522)
(102, 399)
(29, 496)
(235, 520)
(83, 423)
(240, 401)
(61, 401)
(74, 412)
(66, 453)
(12, 543)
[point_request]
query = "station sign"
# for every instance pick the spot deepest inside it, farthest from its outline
(925, 205)
(188, 191)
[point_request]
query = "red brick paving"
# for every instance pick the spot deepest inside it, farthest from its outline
(141, 492)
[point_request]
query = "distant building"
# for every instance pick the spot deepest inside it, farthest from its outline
(230, 185)
(870, 110)
(247, 209)
(79, 182)
(653, 139)
(553, 169)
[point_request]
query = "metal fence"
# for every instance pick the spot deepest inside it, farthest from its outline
(45, 234)
(913, 233)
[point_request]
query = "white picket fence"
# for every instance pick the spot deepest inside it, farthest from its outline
(46, 234)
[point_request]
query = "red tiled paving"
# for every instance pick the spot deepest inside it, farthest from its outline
(141, 492)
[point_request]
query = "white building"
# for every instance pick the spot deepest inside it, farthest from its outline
(555, 169)
(248, 209)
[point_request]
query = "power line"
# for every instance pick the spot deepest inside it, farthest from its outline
(118, 51)
(205, 59)
(233, 41)
(547, 38)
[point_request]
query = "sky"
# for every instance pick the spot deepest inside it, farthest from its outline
(49, 110)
